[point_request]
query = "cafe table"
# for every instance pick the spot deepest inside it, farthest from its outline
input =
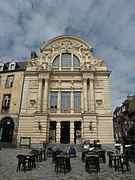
(31, 159)
(117, 158)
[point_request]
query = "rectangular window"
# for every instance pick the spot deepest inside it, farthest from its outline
(65, 102)
(10, 80)
(6, 103)
(77, 101)
(54, 99)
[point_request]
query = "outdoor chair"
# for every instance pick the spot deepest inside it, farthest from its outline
(22, 162)
(125, 163)
(37, 154)
(92, 163)
(55, 154)
(101, 155)
(60, 164)
(42, 153)
(50, 150)
(72, 151)
(110, 158)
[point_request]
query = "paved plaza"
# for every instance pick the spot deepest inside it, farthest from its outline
(45, 170)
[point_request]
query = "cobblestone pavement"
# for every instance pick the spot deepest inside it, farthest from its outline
(45, 169)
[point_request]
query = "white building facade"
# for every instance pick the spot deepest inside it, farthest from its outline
(66, 95)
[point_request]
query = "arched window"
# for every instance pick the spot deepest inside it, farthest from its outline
(76, 61)
(56, 62)
(66, 61)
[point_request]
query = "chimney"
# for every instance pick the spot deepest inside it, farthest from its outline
(33, 55)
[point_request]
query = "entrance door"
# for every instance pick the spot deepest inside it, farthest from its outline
(6, 130)
(77, 132)
(65, 132)
(52, 132)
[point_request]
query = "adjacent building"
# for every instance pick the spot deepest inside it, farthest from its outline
(65, 95)
(124, 121)
(11, 84)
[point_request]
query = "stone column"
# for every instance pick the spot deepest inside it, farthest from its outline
(72, 101)
(71, 132)
(58, 131)
(39, 98)
(85, 99)
(59, 101)
(92, 100)
(25, 96)
(45, 101)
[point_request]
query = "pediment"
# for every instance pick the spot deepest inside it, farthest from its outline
(66, 43)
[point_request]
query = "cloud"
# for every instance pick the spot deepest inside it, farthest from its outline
(108, 26)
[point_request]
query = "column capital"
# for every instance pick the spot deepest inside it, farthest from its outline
(88, 75)
(43, 76)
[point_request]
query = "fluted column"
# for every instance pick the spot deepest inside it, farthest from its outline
(85, 99)
(39, 98)
(58, 132)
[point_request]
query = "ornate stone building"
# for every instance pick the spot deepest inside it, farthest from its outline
(11, 84)
(66, 95)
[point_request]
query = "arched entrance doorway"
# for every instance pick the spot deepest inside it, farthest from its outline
(6, 129)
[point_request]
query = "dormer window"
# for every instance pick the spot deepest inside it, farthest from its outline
(1, 66)
(12, 65)
(123, 108)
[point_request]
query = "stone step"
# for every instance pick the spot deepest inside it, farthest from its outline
(7, 145)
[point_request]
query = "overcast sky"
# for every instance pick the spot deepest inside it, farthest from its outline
(107, 25)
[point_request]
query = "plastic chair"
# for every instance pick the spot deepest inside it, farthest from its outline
(22, 161)
(92, 162)
(55, 154)
(101, 155)
(110, 157)
(36, 153)
(72, 151)
(50, 150)
(60, 164)
(125, 162)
